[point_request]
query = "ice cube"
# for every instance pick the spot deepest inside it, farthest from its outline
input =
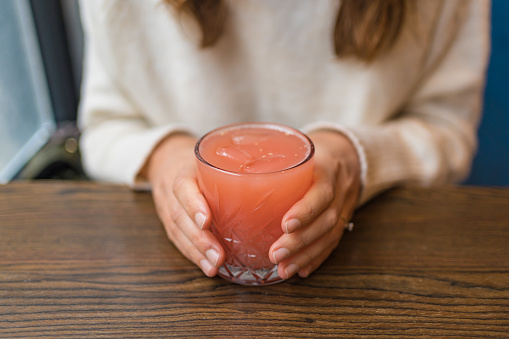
(269, 163)
(235, 153)
(249, 137)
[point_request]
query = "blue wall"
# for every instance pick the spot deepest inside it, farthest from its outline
(491, 165)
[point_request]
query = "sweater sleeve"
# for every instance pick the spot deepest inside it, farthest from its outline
(433, 139)
(116, 139)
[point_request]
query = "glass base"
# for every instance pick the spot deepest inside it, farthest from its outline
(249, 276)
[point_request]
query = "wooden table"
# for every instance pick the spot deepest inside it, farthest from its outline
(92, 260)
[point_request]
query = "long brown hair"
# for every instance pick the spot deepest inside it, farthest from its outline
(364, 28)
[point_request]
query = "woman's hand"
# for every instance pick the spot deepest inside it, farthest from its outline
(315, 224)
(180, 205)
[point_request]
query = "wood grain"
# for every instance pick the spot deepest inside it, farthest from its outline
(92, 260)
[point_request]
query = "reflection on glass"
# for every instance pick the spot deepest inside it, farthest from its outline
(25, 111)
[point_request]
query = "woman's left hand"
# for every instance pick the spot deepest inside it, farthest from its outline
(315, 224)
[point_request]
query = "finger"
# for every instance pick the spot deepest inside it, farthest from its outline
(178, 238)
(205, 245)
(314, 264)
(289, 244)
(313, 255)
(315, 201)
(202, 240)
(204, 262)
(189, 196)
(350, 202)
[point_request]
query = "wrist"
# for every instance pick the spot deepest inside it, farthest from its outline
(338, 145)
(169, 149)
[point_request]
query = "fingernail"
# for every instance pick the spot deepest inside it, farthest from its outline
(199, 219)
(304, 274)
(292, 225)
(212, 256)
(291, 270)
(206, 266)
(280, 255)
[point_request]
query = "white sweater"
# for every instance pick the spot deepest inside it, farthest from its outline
(412, 113)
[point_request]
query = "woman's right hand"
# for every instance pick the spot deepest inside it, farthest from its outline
(181, 207)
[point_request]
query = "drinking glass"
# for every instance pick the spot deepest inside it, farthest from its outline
(246, 173)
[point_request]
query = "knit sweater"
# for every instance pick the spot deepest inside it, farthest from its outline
(412, 113)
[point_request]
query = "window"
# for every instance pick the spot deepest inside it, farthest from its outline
(26, 115)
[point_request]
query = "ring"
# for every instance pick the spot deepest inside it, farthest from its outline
(348, 224)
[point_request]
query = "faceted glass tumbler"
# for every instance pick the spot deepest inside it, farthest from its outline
(247, 208)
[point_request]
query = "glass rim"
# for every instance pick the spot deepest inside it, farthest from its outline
(255, 123)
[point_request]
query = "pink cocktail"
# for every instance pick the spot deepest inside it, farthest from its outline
(251, 174)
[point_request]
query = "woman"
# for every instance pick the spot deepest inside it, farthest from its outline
(389, 91)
